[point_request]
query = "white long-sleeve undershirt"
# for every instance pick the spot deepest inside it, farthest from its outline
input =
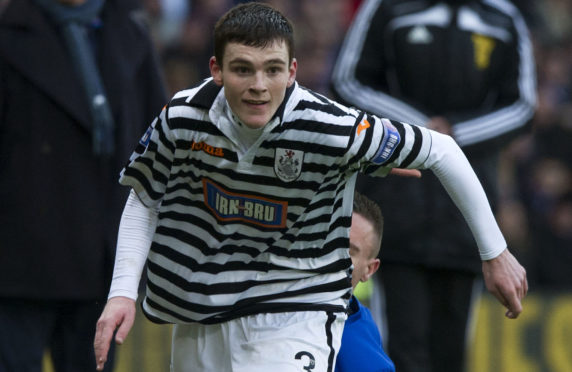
(451, 166)
(134, 239)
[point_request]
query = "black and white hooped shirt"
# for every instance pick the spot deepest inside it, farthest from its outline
(266, 229)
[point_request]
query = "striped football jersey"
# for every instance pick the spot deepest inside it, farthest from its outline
(262, 230)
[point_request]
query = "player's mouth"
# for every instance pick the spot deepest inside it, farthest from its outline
(255, 102)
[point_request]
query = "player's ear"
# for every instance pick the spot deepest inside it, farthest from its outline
(292, 72)
(372, 267)
(216, 71)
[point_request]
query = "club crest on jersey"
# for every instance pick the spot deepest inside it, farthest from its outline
(391, 139)
(288, 164)
(229, 206)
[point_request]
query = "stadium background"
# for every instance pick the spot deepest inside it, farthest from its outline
(535, 213)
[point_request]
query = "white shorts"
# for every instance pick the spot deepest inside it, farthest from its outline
(282, 342)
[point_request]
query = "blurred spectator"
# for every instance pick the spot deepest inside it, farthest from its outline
(320, 26)
(79, 81)
(538, 167)
(539, 176)
(554, 26)
(464, 68)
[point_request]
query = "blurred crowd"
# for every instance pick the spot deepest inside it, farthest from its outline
(535, 212)
(182, 31)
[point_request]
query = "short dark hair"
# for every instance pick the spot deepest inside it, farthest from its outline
(253, 24)
(371, 211)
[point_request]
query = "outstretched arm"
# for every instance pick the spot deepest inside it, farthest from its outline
(134, 240)
(504, 277)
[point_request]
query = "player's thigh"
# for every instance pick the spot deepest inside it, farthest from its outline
(282, 342)
(289, 342)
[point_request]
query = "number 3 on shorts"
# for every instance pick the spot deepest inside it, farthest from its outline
(311, 360)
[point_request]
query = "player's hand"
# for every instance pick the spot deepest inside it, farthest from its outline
(405, 172)
(505, 278)
(118, 312)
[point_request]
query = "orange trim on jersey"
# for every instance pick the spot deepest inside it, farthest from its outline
(362, 126)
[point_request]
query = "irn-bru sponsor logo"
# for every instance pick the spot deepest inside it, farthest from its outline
(211, 150)
(228, 206)
(391, 139)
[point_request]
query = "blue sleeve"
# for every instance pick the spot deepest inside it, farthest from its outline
(362, 348)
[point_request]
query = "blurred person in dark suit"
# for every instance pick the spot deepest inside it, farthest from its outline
(464, 68)
(78, 81)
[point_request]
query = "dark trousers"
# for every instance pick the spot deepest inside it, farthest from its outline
(427, 313)
(65, 328)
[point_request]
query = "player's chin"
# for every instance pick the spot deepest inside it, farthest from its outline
(256, 120)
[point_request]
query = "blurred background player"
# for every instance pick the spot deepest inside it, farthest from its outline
(463, 68)
(362, 346)
(78, 83)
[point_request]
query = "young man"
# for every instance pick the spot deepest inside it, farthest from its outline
(241, 205)
(362, 348)
(60, 202)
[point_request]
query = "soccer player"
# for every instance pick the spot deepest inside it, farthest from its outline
(241, 204)
(362, 348)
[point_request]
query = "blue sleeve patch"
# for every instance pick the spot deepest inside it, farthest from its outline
(144, 141)
(389, 142)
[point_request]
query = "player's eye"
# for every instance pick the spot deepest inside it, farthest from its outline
(241, 70)
(274, 70)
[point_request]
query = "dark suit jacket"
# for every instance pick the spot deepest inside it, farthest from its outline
(59, 204)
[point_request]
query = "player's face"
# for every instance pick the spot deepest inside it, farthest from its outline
(255, 80)
(362, 245)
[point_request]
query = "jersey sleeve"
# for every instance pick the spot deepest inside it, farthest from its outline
(395, 145)
(149, 167)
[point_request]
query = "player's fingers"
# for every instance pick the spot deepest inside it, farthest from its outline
(513, 304)
(406, 172)
(124, 329)
(521, 284)
(499, 297)
(103, 334)
(515, 307)
(512, 309)
(525, 285)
